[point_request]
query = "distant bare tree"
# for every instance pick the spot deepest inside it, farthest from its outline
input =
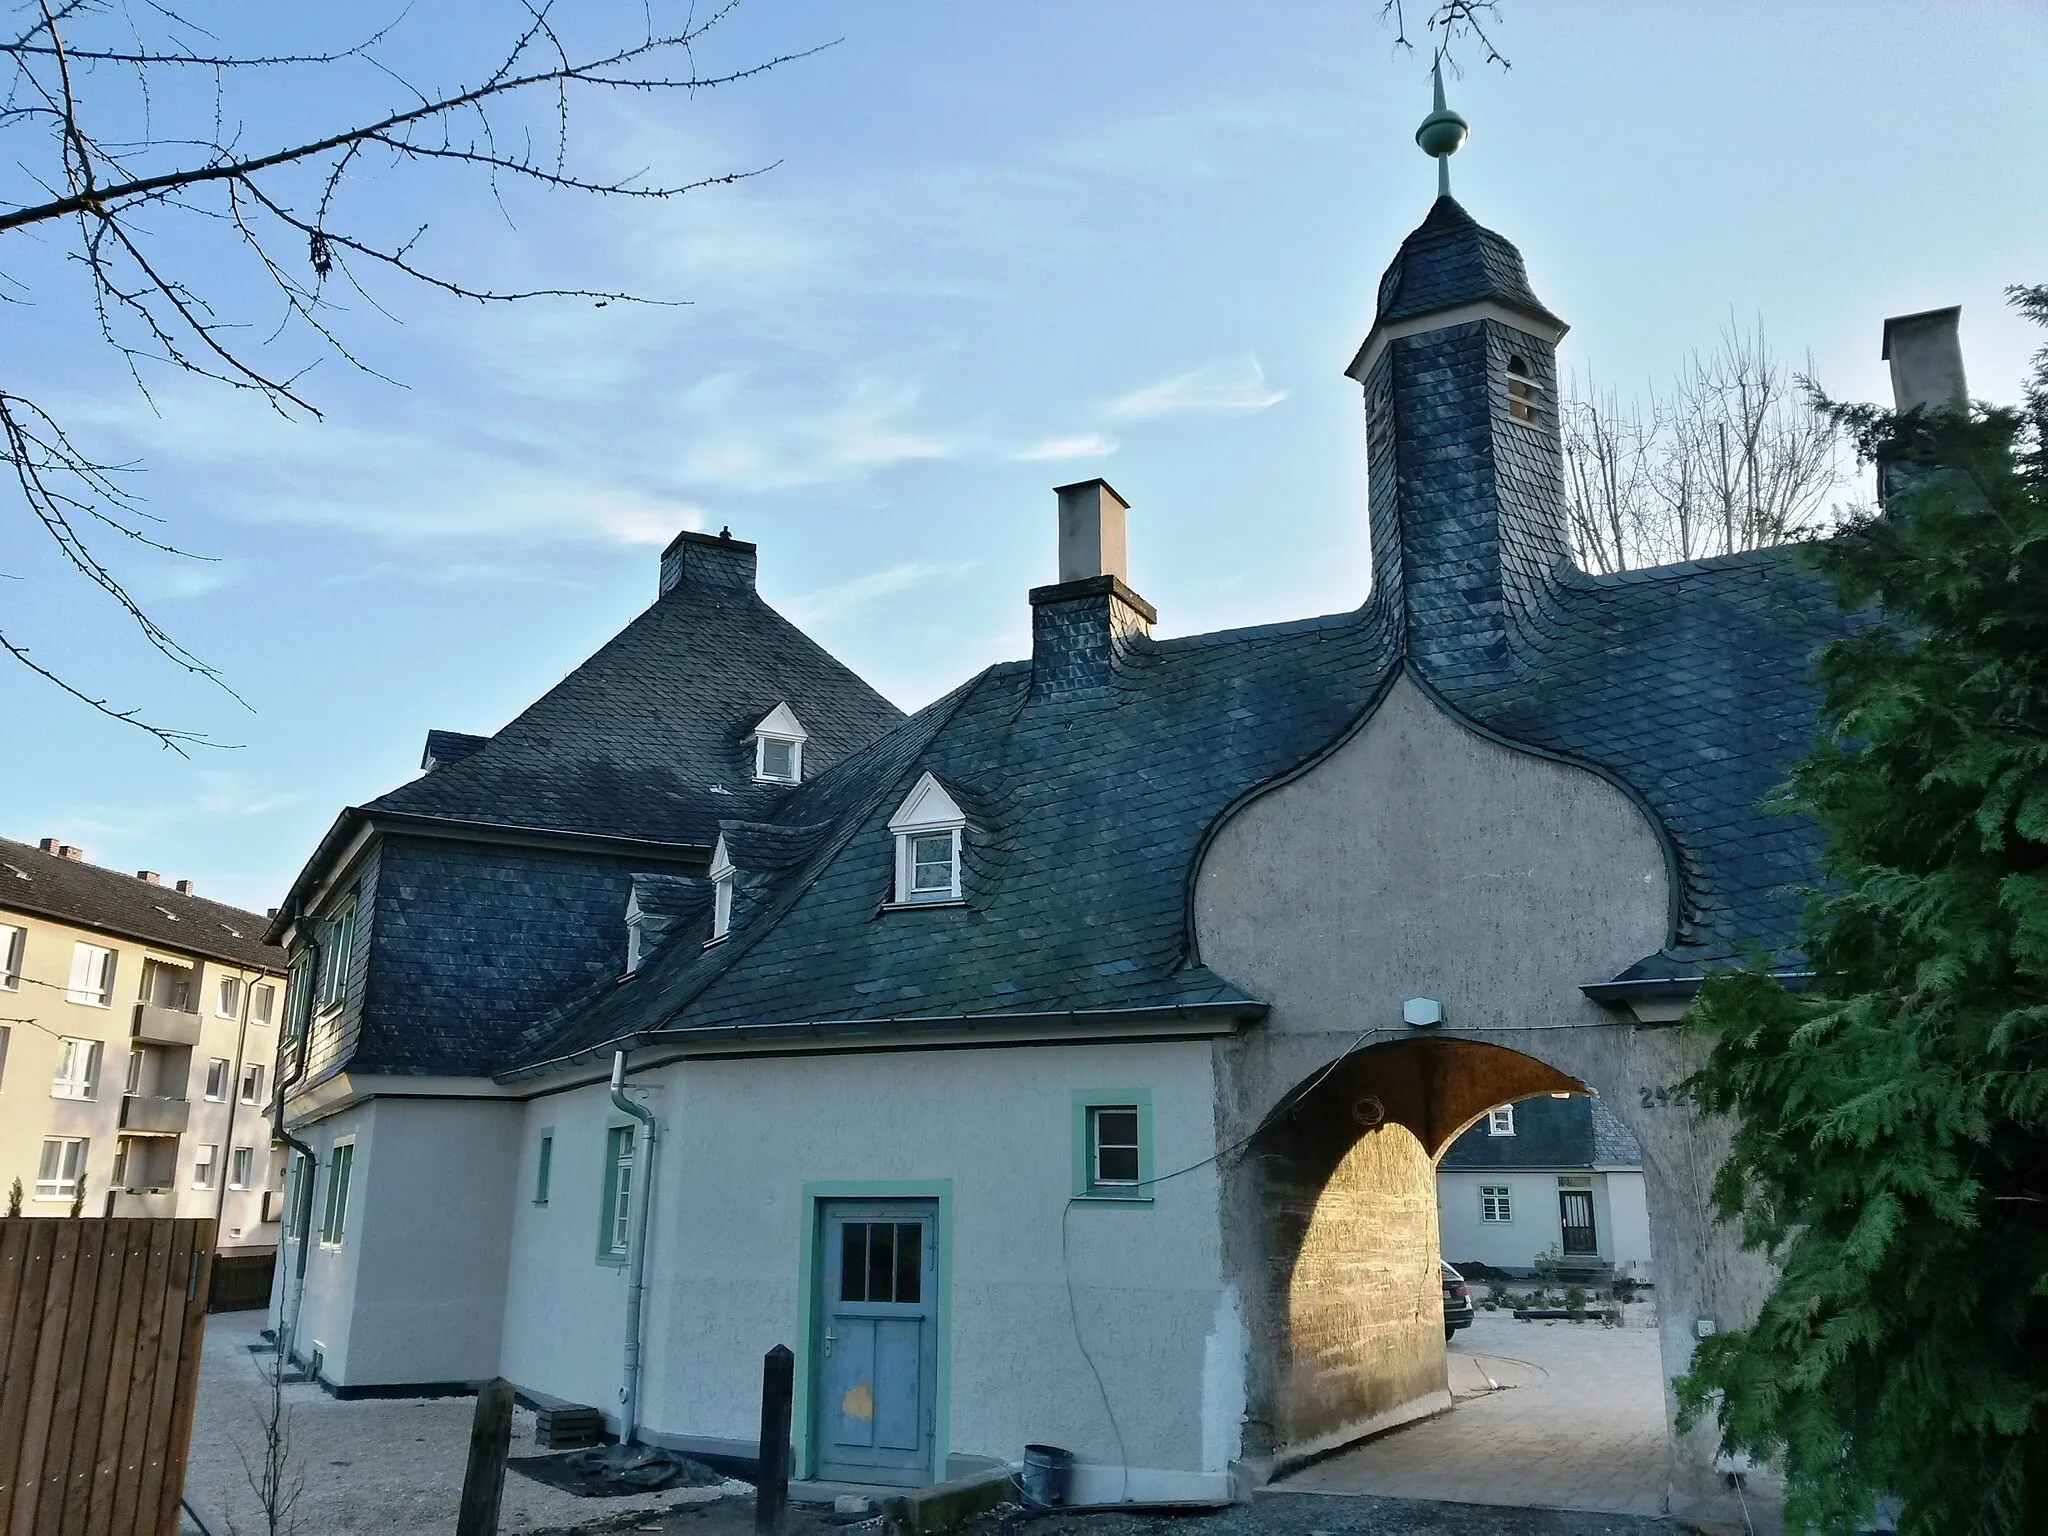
(275, 1470)
(127, 155)
(1733, 457)
(1447, 23)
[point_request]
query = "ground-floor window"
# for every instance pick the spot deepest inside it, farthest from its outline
(1494, 1204)
(334, 1219)
(615, 1234)
(1113, 1145)
(63, 1165)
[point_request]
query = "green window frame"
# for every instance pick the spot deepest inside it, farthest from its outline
(621, 1188)
(341, 1165)
(546, 1167)
(1103, 1137)
(298, 1198)
(341, 948)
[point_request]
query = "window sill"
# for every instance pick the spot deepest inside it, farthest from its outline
(1111, 1197)
(612, 1260)
(714, 943)
(923, 906)
(55, 1199)
(87, 1002)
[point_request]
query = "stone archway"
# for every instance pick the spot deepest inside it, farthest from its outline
(1346, 1322)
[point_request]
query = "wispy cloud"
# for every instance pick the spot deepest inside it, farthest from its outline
(1082, 445)
(858, 593)
(1231, 385)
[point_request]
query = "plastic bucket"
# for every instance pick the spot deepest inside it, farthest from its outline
(1048, 1471)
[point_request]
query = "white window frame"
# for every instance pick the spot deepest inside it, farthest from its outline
(781, 728)
(62, 1187)
(222, 1008)
(341, 1169)
(250, 1089)
(927, 812)
(67, 1083)
(226, 1068)
(722, 876)
(268, 991)
(84, 989)
(1496, 1204)
(338, 953)
(13, 941)
(206, 1165)
(1501, 1122)
(241, 1167)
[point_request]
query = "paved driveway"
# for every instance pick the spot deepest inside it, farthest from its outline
(1576, 1422)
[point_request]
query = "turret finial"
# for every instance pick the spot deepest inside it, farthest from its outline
(1443, 132)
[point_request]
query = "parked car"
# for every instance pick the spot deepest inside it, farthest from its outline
(1457, 1302)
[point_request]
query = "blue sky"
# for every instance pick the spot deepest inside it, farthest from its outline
(1003, 247)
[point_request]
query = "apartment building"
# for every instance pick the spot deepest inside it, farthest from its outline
(138, 1041)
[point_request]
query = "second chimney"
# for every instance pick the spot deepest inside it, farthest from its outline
(187, 888)
(149, 877)
(1083, 627)
(1926, 354)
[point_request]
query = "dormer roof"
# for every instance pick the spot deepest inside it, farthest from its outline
(927, 807)
(782, 724)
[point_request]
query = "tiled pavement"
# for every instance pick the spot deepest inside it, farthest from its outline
(1577, 1423)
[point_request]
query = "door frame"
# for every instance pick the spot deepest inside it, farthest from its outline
(803, 1421)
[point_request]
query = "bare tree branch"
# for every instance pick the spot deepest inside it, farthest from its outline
(1733, 457)
(92, 176)
(1449, 22)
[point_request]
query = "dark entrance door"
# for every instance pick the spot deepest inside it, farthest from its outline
(877, 1341)
(1575, 1212)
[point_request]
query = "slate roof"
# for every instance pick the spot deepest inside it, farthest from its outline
(1574, 1132)
(1450, 260)
(1687, 686)
(73, 891)
(649, 737)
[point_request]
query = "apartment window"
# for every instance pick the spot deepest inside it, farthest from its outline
(134, 1082)
(92, 976)
(262, 1003)
(615, 1235)
(1113, 1145)
(239, 1167)
(217, 1079)
(63, 1165)
(927, 827)
(206, 1166)
(298, 995)
(1502, 1121)
(547, 1167)
(334, 964)
(78, 1069)
(334, 1217)
(12, 941)
(6, 1034)
(252, 1083)
(1494, 1203)
(228, 1005)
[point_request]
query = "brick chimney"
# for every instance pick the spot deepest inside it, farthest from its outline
(73, 853)
(149, 877)
(187, 888)
(50, 845)
(1083, 626)
(707, 560)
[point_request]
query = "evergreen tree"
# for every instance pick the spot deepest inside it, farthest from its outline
(1892, 1142)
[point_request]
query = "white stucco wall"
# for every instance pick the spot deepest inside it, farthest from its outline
(1512, 1244)
(742, 1138)
(414, 1293)
(1629, 1220)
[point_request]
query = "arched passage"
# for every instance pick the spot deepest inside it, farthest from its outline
(1347, 1335)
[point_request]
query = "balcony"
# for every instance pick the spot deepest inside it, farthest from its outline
(144, 1202)
(165, 1026)
(163, 1117)
(273, 1205)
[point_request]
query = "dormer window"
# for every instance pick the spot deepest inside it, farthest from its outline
(779, 748)
(1525, 395)
(722, 873)
(927, 830)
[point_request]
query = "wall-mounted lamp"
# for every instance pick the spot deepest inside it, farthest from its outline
(1422, 1013)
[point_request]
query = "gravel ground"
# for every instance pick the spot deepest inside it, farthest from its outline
(1308, 1514)
(374, 1464)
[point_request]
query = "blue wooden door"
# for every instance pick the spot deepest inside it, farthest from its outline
(877, 1341)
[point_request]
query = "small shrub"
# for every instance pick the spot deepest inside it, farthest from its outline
(1575, 1301)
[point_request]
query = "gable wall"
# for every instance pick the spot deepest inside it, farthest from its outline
(332, 1037)
(1423, 860)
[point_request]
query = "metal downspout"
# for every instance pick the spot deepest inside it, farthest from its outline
(636, 1285)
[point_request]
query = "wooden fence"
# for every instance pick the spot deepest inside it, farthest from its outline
(101, 1322)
